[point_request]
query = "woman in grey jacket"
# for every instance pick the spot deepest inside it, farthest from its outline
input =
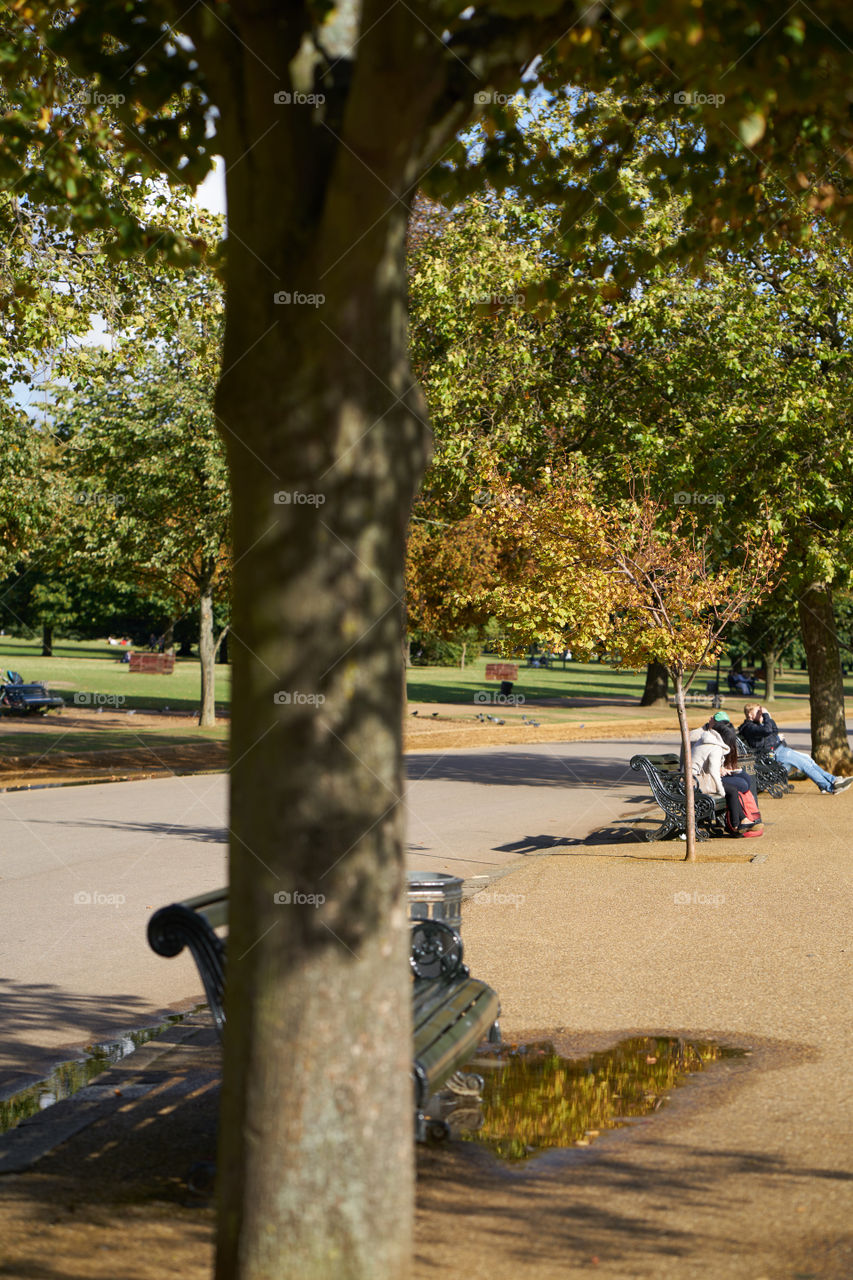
(715, 768)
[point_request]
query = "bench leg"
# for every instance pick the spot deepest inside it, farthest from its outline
(667, 828)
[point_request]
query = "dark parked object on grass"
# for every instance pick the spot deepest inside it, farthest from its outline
(19, 699)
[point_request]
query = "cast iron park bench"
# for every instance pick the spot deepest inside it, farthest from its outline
(666, 780)
(452, 1012)
(667, 783)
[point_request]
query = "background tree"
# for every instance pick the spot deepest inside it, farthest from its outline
(621, 581)
(149, 464)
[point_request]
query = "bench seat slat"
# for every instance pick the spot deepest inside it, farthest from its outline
(446, 1006)
(447, 1040)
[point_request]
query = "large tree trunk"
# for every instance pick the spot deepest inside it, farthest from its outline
(826, 686)
(207, 659)
(47, 640)
(327, 440)
(771, 657)
(657, 681)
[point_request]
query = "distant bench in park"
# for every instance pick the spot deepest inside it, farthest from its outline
(161, 664)
(452, 1012)
(506, 672)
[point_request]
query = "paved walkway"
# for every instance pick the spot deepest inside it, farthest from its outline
(82, 868)
(747, 1174)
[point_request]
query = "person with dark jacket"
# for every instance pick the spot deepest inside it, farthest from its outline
(760, 732)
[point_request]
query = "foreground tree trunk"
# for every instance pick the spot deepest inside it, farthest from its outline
(327, 440)
(826, 685)
(657, 683)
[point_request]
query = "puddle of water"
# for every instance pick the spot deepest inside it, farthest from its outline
(69, 1077)
(535, 1100)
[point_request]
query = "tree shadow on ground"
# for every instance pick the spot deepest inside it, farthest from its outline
(606, 1206)
(179, 830)
(522, 768)
(76, 1021)
(616, 834)
(130, 1194)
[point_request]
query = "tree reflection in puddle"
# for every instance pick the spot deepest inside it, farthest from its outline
(534, 1099)
(70, 1077)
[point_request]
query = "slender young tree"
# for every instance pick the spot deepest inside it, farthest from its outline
(627, 581)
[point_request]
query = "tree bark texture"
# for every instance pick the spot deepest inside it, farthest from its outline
(327, 439)
(830, 746)
(771, 658)
(207, 658)
(657, 683)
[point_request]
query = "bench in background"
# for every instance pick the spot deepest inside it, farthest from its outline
(161, 664)
(506, 672)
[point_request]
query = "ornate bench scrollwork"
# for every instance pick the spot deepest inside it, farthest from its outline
(668, 790)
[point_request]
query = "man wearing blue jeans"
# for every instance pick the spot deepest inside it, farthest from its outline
(759, 731)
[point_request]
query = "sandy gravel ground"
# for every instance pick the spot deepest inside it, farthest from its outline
(747, 1172)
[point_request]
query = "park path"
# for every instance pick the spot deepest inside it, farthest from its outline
(82, 868)
(746, 1174)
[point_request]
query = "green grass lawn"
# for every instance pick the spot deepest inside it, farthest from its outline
(595, 684)
(91, 668)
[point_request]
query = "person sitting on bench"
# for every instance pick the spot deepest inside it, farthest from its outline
(741, 683)
(760, 732)
(715, 767)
